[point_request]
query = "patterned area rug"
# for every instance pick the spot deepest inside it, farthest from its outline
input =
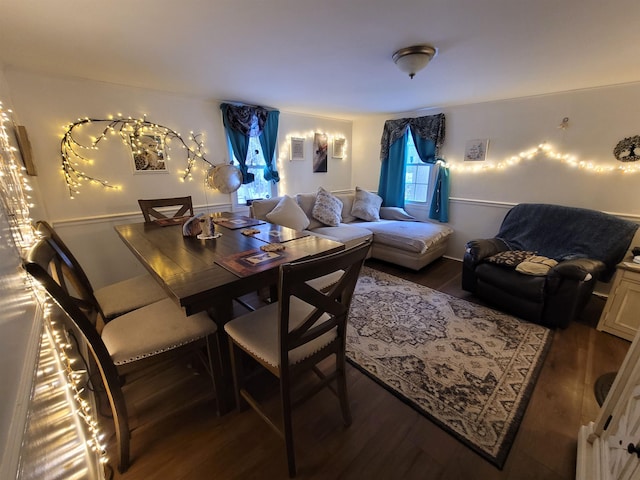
(468, 368)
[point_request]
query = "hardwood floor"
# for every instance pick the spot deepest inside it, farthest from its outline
(388, 439)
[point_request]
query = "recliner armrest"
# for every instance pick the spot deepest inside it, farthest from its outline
(579, 269)
(479, 249)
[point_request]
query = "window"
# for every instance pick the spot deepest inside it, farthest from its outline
(259, 188)
(417, 174)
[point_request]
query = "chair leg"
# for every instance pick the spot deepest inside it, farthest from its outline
(287, 423)
(342, 386)
(215, 368)
(238, 375)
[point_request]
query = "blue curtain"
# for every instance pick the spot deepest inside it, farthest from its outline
(268, 140)
(244, 121)
(426, 147)
(428, 135)
(392, 173)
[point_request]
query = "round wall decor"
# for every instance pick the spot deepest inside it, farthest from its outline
(625, 150)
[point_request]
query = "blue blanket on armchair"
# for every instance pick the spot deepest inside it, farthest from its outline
(565, 233)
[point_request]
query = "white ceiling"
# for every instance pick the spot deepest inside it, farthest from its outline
(329, 57)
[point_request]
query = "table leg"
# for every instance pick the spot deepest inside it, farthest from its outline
(221, 313)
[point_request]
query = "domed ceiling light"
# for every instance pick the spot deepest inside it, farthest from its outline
(413, 59)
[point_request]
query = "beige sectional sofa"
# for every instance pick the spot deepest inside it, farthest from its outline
(397, 237)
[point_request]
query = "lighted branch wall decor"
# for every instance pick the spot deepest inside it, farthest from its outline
(74, 151)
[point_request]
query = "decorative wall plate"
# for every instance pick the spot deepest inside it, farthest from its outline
(625, 150)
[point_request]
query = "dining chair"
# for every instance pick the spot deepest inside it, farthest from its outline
(290, 336)
(130, 343)
(111, 300)
(150, 213)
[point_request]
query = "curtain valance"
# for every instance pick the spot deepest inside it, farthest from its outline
(431, 127)
(244, 121)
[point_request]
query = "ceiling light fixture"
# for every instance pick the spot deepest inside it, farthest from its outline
(413, 59)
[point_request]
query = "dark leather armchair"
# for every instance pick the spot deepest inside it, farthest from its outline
(587, 245)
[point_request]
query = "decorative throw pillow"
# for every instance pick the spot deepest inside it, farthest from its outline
(289, 214)
(366, 205)
(536, 265)
(510, 258)
(395, 213)
(327, 209)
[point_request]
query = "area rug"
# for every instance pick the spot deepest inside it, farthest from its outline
(468, 368)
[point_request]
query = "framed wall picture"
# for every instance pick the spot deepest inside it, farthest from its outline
(148, 154)
(296, 148)
(338, 148)
(320, 144)
(476, 150)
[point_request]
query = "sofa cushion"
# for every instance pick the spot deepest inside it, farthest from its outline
(395, 213)
(348, 234)
(289, 214)
(306, 202)
(366, 205)
(409, 236)
(260, 208)
(347, 204)
(327, 208)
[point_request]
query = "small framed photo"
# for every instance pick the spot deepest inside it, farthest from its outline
(476, 150)
(338, 148)
(296, 149)
(148, 154)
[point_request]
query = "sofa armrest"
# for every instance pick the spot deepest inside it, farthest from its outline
(579, 269)
(479, 249)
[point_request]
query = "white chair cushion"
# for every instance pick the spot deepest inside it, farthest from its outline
(156, 328)
(257, 332)
(127, 295)
(326, 281)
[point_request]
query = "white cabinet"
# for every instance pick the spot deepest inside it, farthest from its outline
(608, 448)
(621, 314)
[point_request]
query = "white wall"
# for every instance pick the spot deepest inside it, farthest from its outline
(46, 103)
(598, 119)
(297, 176)
(20, 324)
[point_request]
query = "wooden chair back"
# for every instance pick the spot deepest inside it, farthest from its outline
(45, 264)
(331, 308)
(328, 310)
(69, 272)
(148, 207)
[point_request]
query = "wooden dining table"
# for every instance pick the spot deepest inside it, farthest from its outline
(208, 274)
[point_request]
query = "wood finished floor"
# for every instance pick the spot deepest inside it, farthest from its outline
(388, 439)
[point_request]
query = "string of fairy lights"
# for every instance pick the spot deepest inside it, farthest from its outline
(75, 153)
(548, 151)
(16, 202)
(15, 191)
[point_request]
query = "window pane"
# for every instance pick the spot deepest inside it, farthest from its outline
(259, 188)
(420, 194)
(409, 193)
(417, 175)
(410, 174)
(422, 175)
